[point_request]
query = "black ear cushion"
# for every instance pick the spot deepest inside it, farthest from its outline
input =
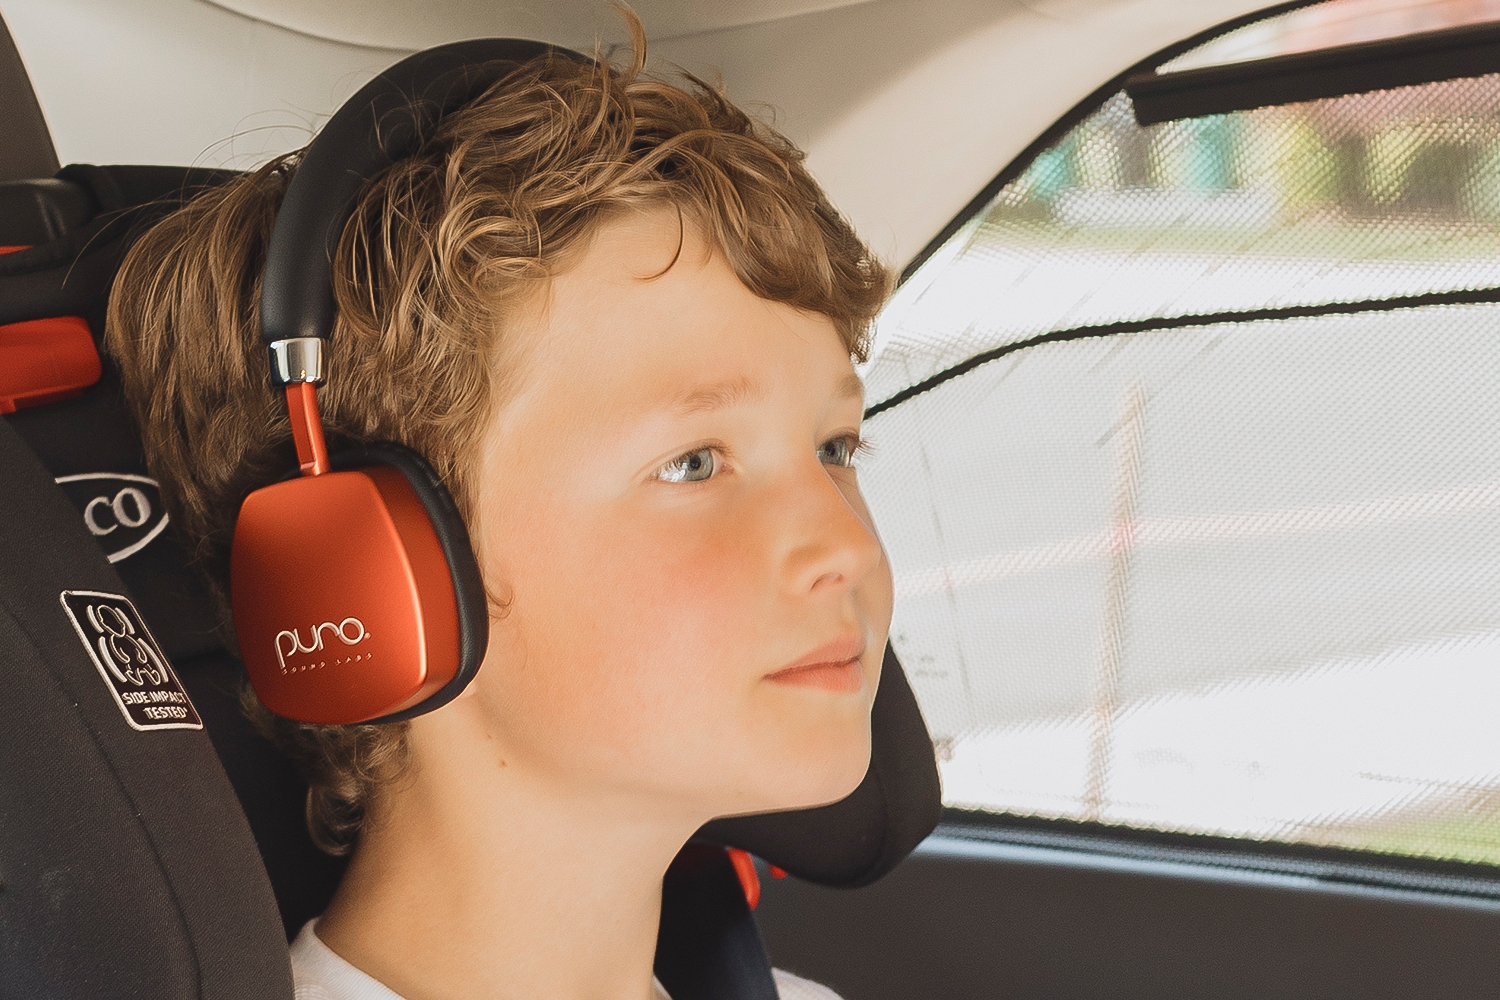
(468, 585)
(858, 839)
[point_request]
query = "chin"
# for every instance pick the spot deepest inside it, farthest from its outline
(823, 773)
(794, 750)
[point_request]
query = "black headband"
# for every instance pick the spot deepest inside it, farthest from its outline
(385, 121)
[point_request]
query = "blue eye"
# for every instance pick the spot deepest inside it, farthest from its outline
(691, 467)
(839, 451)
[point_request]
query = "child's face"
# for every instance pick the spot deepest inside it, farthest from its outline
(667, 506)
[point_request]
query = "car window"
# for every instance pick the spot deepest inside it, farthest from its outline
(1184, 450)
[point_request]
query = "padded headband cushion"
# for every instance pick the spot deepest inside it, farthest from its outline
(385, 121)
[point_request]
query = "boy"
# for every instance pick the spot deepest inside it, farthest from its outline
(619, 318)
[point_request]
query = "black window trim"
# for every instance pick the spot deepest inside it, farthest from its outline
(1212, 856)
(1406, 60)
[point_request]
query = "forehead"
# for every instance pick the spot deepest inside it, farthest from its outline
(652, 313)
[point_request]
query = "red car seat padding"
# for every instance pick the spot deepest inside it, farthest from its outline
(44, 361)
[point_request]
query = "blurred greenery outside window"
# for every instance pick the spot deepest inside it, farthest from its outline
(1235, 578)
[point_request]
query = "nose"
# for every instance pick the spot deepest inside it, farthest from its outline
(830, 542)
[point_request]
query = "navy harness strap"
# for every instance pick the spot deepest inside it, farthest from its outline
(708, 947)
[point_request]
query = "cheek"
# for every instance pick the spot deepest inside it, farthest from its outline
(875, 594)
(634, 656)
(628, 646)
(877, 598)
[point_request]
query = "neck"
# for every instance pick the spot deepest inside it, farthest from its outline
(481, 878)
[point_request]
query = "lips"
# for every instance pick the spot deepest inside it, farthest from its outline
(831, 667)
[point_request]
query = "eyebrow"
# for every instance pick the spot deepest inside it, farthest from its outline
(719, 395)
(851, 386)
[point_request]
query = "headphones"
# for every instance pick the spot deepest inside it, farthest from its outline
(354, 588)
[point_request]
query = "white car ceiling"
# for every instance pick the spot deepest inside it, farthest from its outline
(906, 108)
(381, 24)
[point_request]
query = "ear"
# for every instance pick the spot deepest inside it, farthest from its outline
(499, 592)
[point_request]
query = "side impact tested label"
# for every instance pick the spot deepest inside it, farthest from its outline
(131, 663)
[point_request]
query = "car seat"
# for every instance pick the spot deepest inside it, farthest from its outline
(174, 862)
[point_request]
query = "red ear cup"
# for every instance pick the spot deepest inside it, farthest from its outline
(355, 594)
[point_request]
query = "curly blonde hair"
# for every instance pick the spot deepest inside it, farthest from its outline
(501, 195)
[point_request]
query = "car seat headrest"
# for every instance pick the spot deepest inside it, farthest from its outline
(27, 149)
(851, 842)
(38, 211)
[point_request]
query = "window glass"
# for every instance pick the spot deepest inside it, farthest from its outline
(1394, 193)
(1197, 525)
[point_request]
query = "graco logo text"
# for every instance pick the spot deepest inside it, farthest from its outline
(123, 512)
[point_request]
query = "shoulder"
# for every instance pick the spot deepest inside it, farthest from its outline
(320, 974)
(791, 987)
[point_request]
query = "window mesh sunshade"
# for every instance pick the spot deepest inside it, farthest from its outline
(1216, 574)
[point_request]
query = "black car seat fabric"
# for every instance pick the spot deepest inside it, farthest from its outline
(126, 866)
(26, 149)
(87, 444)
(39, 211)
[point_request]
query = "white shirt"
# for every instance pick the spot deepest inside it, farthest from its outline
(319, 974)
